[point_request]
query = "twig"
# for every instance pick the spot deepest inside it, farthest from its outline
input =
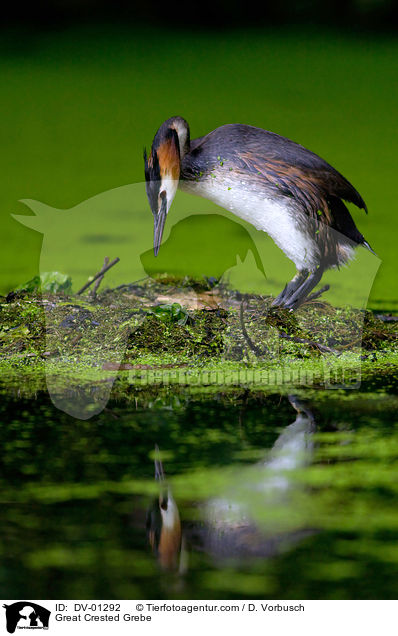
(311, 343)
(76, 339)
(133, 284)
(111, 413)
(100, 279)
(100, 273)
(249, 341)
(387, 318)
(318, 293)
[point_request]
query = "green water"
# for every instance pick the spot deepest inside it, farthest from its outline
(273, 503)
(78, 106)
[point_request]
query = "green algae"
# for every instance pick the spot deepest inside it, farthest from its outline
(79, 491)
(239, 340)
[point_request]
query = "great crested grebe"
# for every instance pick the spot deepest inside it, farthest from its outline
(270, 181)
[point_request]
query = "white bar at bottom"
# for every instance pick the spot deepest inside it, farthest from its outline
(336, 618)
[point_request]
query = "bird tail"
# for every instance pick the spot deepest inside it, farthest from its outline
(344, 223)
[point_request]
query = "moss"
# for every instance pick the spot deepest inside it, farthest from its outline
(377, 334)
(82, 338)
(203, 336)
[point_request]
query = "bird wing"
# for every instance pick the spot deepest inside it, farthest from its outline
(299, 173)
(280, 163)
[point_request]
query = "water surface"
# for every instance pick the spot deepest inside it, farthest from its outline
(279, 496)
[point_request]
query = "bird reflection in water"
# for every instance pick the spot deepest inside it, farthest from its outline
(164, 525)
(229, 529)
(251, 519)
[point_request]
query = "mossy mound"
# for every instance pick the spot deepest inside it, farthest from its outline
(166, 323)
(232, 324)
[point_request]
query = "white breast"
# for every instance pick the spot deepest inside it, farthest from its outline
(277, 217)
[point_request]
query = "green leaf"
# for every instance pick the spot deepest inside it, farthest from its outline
(55, 282)
(31, 285)
(171, 313)
(48, 281)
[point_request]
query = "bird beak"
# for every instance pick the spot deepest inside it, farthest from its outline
(159, 221)
(159, 472)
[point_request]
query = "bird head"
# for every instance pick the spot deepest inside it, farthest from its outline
(162, 171)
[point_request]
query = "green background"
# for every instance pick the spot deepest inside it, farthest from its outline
(79, 104)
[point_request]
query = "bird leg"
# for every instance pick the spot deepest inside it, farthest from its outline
(290, 288)
(300, 295)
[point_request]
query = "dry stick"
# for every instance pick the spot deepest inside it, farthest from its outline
(385, 318)
(133, 284)
(100, 279)
(76, 339)
(249, 341)
(312, 343)
(100, 273)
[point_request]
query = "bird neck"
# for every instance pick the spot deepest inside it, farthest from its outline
(182, 129)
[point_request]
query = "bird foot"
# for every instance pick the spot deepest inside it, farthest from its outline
(295, 304)
(316, 295)
(278, 301)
